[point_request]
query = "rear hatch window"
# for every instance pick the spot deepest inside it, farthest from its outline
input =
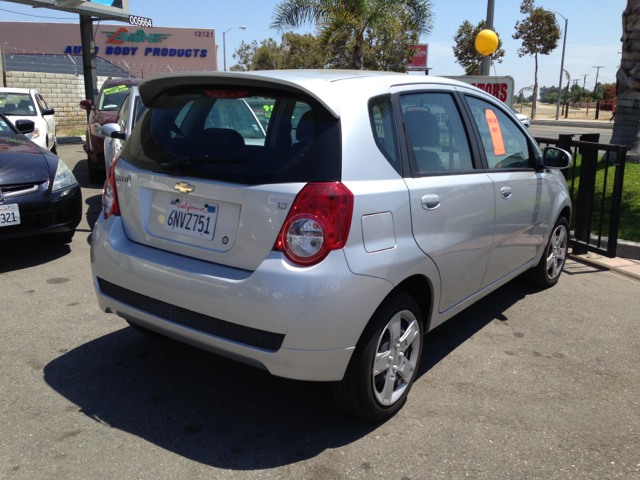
(247, 136)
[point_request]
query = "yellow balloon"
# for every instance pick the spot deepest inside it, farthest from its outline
(487, 42)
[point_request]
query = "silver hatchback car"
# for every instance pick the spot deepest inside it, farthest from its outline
(322, 245)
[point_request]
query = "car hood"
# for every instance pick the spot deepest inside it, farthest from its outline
(21, 161)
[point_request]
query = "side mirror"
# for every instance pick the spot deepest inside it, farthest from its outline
(25, 126)
(112, 130)
(85, 104)
(48, 111)
(553, 157)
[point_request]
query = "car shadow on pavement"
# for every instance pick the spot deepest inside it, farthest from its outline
(81, 172)
(445, 338)
(30, 252)
(199, 405)
(220, 412)
(94, 207)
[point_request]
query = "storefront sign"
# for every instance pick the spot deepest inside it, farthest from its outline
(182, 48)
(500, 87)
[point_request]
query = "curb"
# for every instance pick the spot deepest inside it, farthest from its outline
(70, 140)
(623, 273)
(574, 123)
(625, 249)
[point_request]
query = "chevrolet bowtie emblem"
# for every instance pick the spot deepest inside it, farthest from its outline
(184, 187)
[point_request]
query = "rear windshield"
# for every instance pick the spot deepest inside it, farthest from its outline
(229, 135)
(113, 96)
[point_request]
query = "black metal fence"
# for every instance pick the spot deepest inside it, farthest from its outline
(590, 209)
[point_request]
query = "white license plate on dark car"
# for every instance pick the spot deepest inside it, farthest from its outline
(194, 219)
(9, 215)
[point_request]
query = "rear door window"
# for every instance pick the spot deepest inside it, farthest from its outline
(216, 134)
(436, 134)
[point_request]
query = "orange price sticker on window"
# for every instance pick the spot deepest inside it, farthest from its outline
(496, 133)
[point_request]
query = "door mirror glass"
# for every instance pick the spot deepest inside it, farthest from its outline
(48, 111)
(554, 157)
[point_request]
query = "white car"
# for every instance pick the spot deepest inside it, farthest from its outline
(28, 104)
(526, 121)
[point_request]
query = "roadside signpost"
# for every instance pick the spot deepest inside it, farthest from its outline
(419, 61)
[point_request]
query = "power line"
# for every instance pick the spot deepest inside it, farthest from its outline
(37, 16)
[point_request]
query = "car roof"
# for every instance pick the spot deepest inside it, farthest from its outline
(15, 90)
(121, 81)
(321, 84)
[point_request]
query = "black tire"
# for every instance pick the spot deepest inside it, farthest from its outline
(548, 270)
(54, 149)
(62, 237)
(95, 174)
(359, 392)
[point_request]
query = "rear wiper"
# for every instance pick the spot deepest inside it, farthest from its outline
(186, 162)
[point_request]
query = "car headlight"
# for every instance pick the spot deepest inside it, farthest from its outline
(64, 177)
(34, 134)
(96, 129)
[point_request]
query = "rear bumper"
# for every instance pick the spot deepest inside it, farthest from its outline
(318, 312)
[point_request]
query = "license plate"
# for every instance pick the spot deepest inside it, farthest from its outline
(194, 219)
(9, 215)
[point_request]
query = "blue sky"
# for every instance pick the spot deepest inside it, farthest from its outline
(593, 38)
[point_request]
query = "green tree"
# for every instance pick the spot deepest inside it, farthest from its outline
(548, 94)
(360, 18)
(626, 128)
(465, 47)
(539, 32)
(295, 51)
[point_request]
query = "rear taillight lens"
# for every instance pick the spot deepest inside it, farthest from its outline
(109, 195)
(318, 222)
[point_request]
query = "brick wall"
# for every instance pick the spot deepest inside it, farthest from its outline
(61, 92)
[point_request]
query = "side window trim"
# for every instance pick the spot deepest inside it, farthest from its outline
(474, 126)
(477, 157)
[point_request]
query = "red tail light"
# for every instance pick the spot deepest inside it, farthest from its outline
(109, 195)
(318, 222)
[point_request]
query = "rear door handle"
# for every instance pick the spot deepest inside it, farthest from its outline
(505, 192)
(431, 201)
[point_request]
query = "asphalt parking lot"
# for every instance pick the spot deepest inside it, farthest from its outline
(525, 384)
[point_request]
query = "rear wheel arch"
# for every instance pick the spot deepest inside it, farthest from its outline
(566, 213)
(421, 289)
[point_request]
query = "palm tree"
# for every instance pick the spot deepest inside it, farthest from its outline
(626, 128)
(356, 16)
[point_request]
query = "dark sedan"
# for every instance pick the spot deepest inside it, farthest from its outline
(38, 192)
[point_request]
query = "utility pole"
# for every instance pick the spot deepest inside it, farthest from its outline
(485, 68)
(3, 67)
(597, 73)
(88, 60)
(584, 75)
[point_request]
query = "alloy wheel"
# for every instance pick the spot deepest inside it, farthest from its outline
(396, 357)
